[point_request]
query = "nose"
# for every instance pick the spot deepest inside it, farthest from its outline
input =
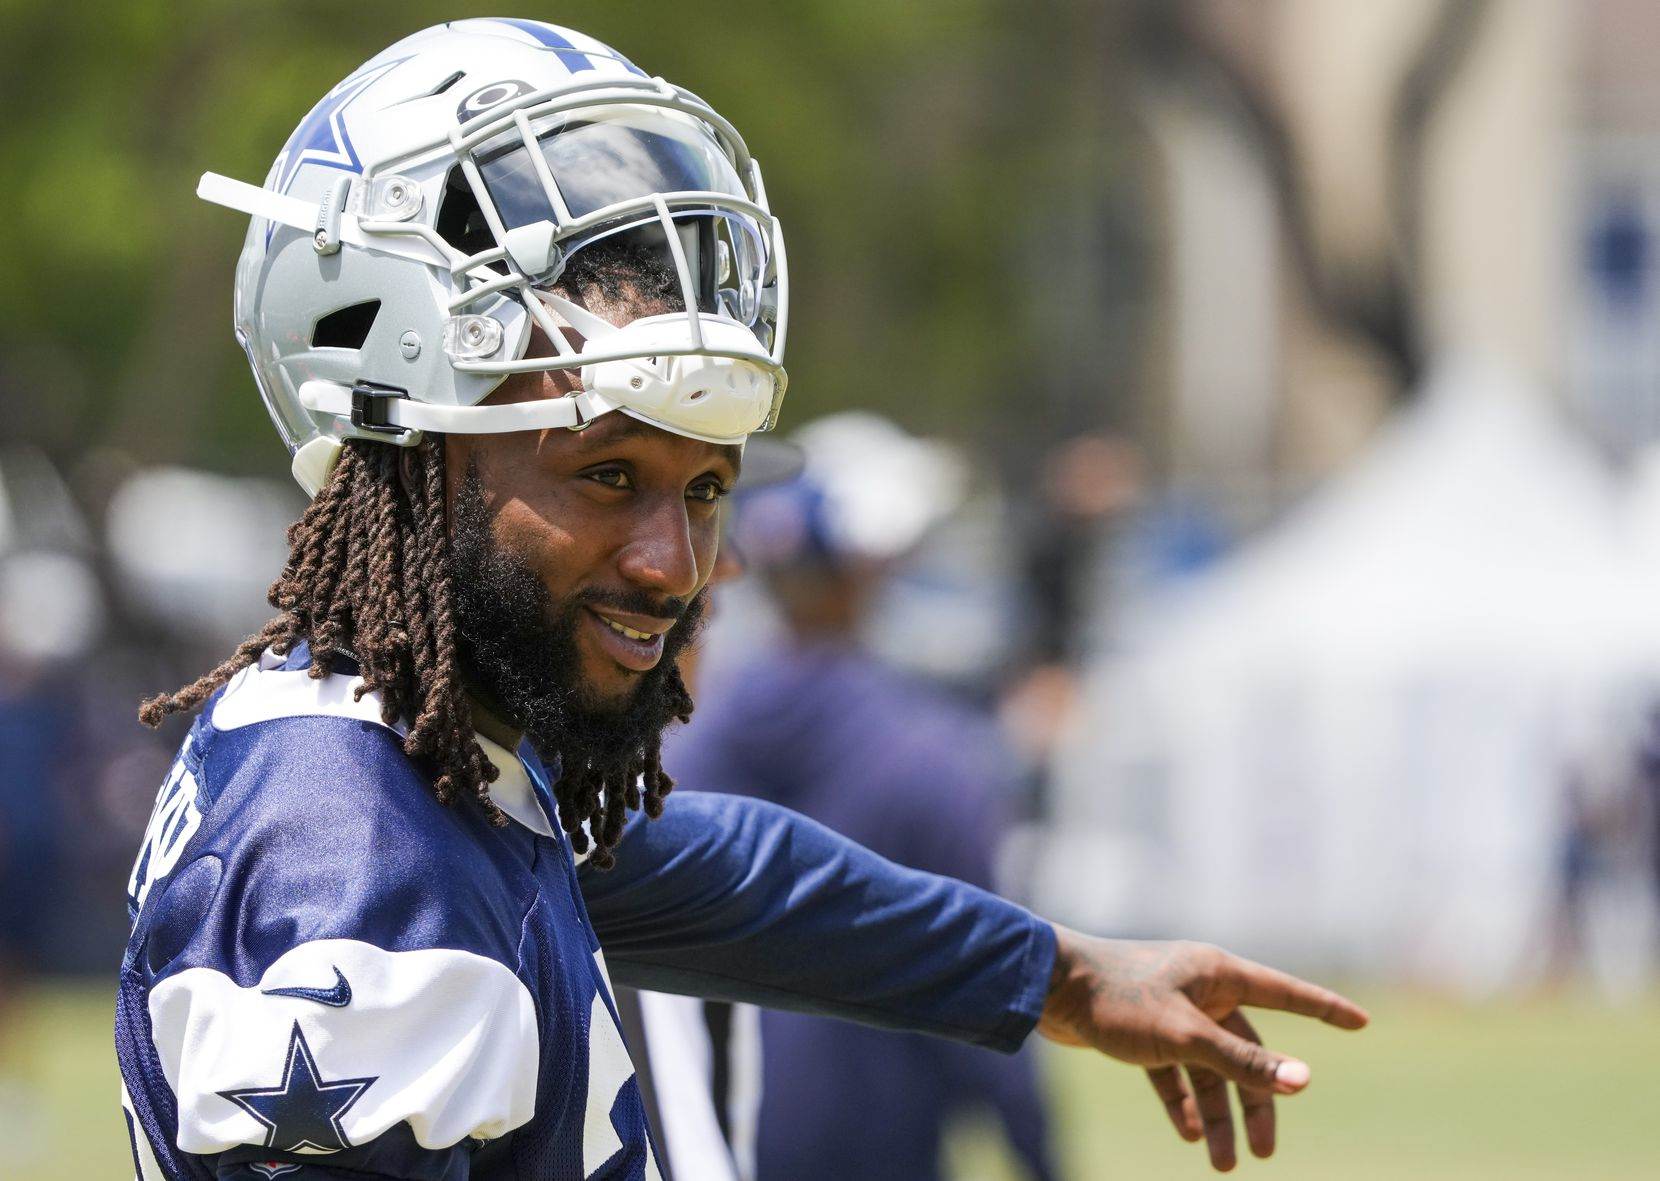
(662, 554)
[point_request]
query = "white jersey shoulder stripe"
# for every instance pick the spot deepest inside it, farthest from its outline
(441, 1039)
(265, 692)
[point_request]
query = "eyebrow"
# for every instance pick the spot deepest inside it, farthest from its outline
(632, 427)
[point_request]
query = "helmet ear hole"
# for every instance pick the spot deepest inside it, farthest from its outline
(347, 327)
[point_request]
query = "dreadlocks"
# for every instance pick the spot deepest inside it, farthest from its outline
(371, 577)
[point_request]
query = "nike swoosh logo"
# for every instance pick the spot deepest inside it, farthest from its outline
(337, 997)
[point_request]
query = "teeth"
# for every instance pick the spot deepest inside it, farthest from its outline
(642, 637)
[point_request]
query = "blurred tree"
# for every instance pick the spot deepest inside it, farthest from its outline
(933, 162)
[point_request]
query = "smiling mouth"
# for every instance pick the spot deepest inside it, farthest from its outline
(634, 649)
(643, 637)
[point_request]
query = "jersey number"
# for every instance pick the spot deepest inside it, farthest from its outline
(173, 822)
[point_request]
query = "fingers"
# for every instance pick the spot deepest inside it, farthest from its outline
(1257, 1103)
(1178, 1102)
(1210, 1098)
(1240, 1060)
(1269, 988)
(1210, 1095)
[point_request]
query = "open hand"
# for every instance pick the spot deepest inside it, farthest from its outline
(1175, 1006)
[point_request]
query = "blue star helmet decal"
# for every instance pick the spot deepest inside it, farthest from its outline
(321, 137)
(302, 1113)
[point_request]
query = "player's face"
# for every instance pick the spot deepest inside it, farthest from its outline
(621, 519)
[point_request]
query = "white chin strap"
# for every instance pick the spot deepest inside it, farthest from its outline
(373, 411)
(394, 419)
(381, 414)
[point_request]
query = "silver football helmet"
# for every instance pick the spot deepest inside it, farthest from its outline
(414, 227)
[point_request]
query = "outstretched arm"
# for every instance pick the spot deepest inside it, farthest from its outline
(733, 898)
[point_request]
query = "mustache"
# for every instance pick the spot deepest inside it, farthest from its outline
(637, 602)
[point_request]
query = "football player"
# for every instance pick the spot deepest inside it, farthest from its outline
(514, 306)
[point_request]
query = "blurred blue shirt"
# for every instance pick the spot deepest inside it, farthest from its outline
(834, 733)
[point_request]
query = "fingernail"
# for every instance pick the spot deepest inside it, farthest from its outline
(1291, 1074)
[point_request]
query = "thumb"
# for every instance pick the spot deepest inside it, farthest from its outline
(1245, 1062)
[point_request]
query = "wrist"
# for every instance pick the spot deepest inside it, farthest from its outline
(1064, 956)
(1075, 961)
(1065, 1003)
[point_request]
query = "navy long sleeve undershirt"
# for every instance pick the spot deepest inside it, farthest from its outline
(733, 898)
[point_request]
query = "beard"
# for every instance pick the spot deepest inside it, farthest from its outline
(518, 651)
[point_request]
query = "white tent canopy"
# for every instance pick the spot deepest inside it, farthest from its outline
(1350, 746)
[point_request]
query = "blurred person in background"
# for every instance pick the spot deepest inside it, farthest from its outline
(1095, 536)
(824, 726)
(48, 605)
(1611, 799)
(52, 612)
(49, 614)
(1650, 779)
(1085, 485)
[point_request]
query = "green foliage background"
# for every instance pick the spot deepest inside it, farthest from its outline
(940, 166)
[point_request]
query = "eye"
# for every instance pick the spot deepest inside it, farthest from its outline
(611, 477)
(708, 491)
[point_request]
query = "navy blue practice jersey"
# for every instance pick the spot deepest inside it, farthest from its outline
(331, 974)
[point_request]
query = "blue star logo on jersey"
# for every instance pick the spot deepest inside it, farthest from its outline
(321, 137)
(303, 1112)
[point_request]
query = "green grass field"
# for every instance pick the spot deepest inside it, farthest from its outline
(1560, 1087)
